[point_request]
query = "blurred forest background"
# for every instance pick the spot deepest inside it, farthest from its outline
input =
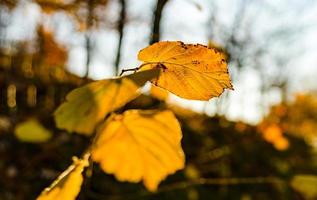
(256, 142)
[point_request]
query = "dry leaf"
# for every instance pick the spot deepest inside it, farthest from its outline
(32, 131)
(86, 106)
(67, 185)
(189, 71)
(140, 145)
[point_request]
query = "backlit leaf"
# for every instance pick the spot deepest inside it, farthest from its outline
(187, 70)
(86, 106)
(281, 144)
(32, 131)
(140, 145)
(67, 185)
(305, 184)
(272, 133)
(159, 93)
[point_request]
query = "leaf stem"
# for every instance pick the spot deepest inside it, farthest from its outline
(137, 68)
(129, 70)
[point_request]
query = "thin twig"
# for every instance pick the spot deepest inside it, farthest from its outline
(129, 70)
(137, 68)
(221, 181)
(190, 183)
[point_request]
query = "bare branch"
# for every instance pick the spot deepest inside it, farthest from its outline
(120, 30)
(89, 21)
(157, 20)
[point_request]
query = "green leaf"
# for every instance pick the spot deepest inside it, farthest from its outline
(32, 131)
(305, 184)
(86, 106)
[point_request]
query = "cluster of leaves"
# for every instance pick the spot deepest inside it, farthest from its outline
(74, 10)
(218, 154)
(273, 134)
(297, 118)
(293, 119)
(138, 144)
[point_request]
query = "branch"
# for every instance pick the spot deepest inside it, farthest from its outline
(220, 181)
(89, 22)
(120, 30)
(129, 70)
(195, 182)
(156, 21)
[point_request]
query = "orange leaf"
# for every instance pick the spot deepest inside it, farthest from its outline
(187, 70)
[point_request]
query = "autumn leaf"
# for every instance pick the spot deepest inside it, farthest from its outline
(32, 131)
(140, 145)
(54, 54)
(86, 106)
(281, 144)
(67, 185)
(158, 93)
(272, 133)
(187, 70)
(305, 184)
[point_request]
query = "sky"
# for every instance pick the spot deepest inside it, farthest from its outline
(265, 21)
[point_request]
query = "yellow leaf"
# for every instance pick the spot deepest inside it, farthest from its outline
(32, 131)
(158, 93)
(187, 70)
(86, 106)
(191, 172)
(281, 144)
(67, 185)
(305, 184)
(272, 133)
(140, 145)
